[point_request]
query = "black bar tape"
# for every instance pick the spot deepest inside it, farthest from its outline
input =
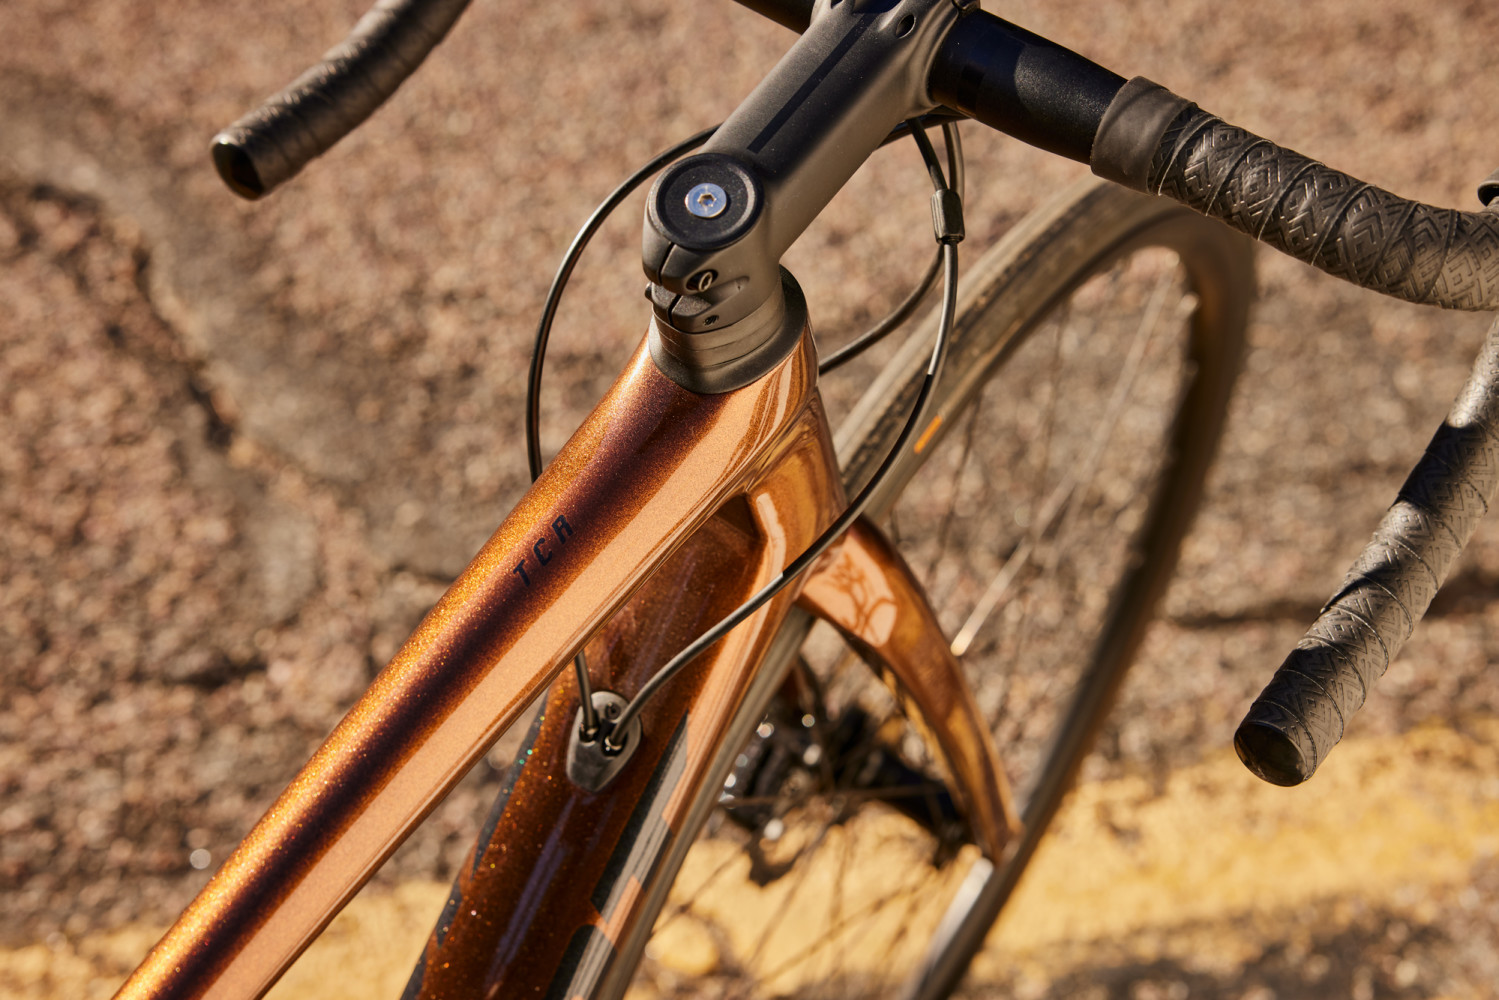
(1318, 215)
(1130, 133)
(1302, 713)
(326, 103)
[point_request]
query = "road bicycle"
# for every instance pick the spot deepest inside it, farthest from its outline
(1017, 533)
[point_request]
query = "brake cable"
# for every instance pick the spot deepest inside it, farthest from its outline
(948, 235)
(947, 223)
(892, 321)
(544, 332)
(897, 317)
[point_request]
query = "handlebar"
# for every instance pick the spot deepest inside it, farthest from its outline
(1155, 141)
(1305, 709)
(1027, 86)
(1143, 136)
(276, 140)
(987, 69)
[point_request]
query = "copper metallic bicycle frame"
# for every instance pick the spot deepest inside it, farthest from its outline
(662, 513)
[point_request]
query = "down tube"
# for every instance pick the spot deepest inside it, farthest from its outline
(561, 882)
(648, 467)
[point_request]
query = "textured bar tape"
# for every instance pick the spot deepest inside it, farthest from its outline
(1152, 140)
(1298, 718)
(327, 102)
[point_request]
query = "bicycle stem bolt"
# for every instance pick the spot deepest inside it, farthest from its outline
(707, 201)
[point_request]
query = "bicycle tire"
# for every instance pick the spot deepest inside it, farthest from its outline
(1051, 259)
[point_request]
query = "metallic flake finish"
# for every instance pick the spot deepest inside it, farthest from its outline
(565, 876)
(648, 467)
(665, 511)
(868, 593)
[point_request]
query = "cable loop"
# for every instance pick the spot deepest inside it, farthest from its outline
(844, 521)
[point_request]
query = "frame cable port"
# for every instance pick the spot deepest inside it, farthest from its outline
(592, 759)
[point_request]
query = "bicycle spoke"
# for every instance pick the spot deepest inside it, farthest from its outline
(1057, 504)
(959, 467)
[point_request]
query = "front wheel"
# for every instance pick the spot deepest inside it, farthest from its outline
(1042, 508)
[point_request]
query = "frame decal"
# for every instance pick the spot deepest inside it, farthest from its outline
(636, 855)
(543, 548)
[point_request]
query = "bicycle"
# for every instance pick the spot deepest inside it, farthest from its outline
(1173, 519)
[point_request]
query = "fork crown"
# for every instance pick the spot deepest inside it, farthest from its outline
(860, 69)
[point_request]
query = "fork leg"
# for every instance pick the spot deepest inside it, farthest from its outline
(867, 592)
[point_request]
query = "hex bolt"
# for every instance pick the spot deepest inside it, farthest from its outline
(707, 200)
(702, 281)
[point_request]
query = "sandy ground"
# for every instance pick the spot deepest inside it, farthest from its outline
(242, 448)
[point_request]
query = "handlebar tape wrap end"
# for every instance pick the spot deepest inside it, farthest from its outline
(1130, 133)
(236, 168)
(1301, 714)
(1277, 751)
